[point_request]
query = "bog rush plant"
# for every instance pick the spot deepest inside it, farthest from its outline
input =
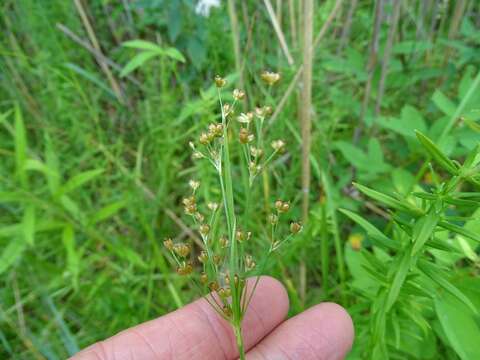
(225, 263)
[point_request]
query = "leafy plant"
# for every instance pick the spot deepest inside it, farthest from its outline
(406, 263)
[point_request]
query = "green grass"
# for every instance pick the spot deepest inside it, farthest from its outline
(88, 185)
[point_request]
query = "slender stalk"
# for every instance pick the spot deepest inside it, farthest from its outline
(232, 13)
(386, 54)
(372, 63)
(306, 121)
(239, 338)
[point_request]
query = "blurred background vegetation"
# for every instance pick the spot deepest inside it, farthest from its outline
(94, 157)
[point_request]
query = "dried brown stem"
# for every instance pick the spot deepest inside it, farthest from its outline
(387, 54)
(278, 32)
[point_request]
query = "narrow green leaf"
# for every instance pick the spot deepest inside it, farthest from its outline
(11, 253)
(73, 258)
(137, 61)
(142, 45)
(389, 201)
(20, 138)
(459, 230)
(175, 54)
(28, 224)
(440, 277)
(398, 280)
(79, 180)
(423, 230)
(108, 211)
(437, 155)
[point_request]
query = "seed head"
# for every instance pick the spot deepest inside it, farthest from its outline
(273, 219)
(216, 259)
(282, 206)
(254, 168)
(227, 311)
(203, 257)
(185, 269)
(194, 184)
(268, 110)
(199, 217)
(190, 205)
(278, 145)
(205, 139)
(223, 241)
(256, 152)
(295, 227)
(181, 249)
(168, 243)
(197, 155)
(227, 109)
(221, 293)
(238, 94)
(215, 130)
(203, 278)
(220, 82)
(213, 286)
(245, 137)
(249, 263)
(270, 77)
(204, 229)
(240, 235)
(213, 206)
(245, 118)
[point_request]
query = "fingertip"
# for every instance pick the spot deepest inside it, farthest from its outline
(339, 322)
(324, 331)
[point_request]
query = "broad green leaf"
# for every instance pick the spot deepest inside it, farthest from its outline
(11, 253)
(437, 154)
(142, 45)
(443, 103)
(137, 61)
(440, 277)
(108, 211)
(79, 180)
(423, 230)
(459, 325)
(174, 54)
(28, 224)
(20, 138)
(73, 256)
(354, 155)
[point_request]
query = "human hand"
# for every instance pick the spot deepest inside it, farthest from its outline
(195, 331)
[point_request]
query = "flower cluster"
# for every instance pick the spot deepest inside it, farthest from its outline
(223, 258)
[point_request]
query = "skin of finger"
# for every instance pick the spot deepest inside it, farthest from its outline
(324, 332)
(195, 331)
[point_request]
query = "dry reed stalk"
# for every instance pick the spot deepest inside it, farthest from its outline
(372, 63)
(70, 34)
(93, 39)
(347, 27)
(298, 74)
(278, 32)
(306, 122)
(293, 23)
(452, 32)
(387, 54)
(232, 13)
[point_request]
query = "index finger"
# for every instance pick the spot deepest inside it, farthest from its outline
(195, 331)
